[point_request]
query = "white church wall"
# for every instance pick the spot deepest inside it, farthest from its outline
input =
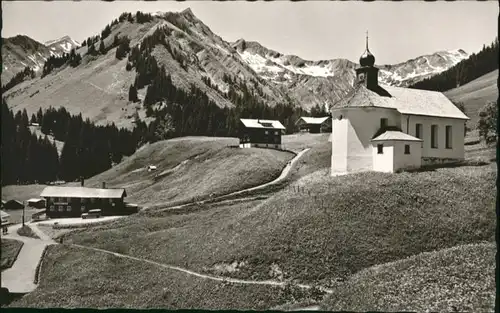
(383, 162)
(351, 144)
(407, 161)
(339, 142)
(441, 154)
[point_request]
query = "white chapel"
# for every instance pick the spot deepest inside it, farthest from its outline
(387, 129)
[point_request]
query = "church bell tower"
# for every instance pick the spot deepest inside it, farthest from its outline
(367, 74)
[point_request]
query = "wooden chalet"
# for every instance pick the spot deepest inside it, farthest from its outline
(260, 133)
(315, 124)
(74, 201)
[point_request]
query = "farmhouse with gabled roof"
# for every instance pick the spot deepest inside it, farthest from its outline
(260, 133)
(315, 124)
(384, 128)
(68, 201)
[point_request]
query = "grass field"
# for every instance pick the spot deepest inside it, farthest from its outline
(320, 230)
(123, 283)
(347, 224)
(21, 192)
(476, 94)
(10, 251)
(192, 167)
(300, 141)
(459, 279)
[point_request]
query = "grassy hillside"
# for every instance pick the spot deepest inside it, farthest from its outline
(332, 227)
(21, 192)
(99, 84)
(476, 94)
(187, 168)
(191, 167)
(459, 279)
(124, 283)
(318, 230)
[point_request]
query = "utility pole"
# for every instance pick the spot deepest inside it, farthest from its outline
(24, 206)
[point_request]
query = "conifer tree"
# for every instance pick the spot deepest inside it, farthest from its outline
(132, 94)
(102, 49)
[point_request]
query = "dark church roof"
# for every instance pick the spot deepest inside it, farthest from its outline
(367, 59)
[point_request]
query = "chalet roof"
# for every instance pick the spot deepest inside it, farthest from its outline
(264, 124)
(405, 100)
(82, 192)
(36, 200)
(395, 135)
(313, 120)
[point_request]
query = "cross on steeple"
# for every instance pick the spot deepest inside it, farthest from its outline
(366, 40)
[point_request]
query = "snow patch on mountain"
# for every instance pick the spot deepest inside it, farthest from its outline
(62, 45)
(307, 68)
(270, 66)
(260, 64)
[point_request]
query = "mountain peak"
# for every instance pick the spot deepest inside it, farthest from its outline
(63, 39)
(188, 13)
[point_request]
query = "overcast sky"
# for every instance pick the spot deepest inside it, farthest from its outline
(312, 30)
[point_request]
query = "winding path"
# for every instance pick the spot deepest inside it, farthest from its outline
(21, 276)
(200, 275)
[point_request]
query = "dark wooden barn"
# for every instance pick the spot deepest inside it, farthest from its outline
(13, 205)
(315, 124)
(260, 133)
(73, 201)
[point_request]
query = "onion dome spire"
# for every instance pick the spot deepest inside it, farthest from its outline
(367, 59)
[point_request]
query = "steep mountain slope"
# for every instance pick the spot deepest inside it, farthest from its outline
(476, 94)
(323, 81)
(194, 56)
(21, 51)
(475, 66)
(407, 73)
(99, 86)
